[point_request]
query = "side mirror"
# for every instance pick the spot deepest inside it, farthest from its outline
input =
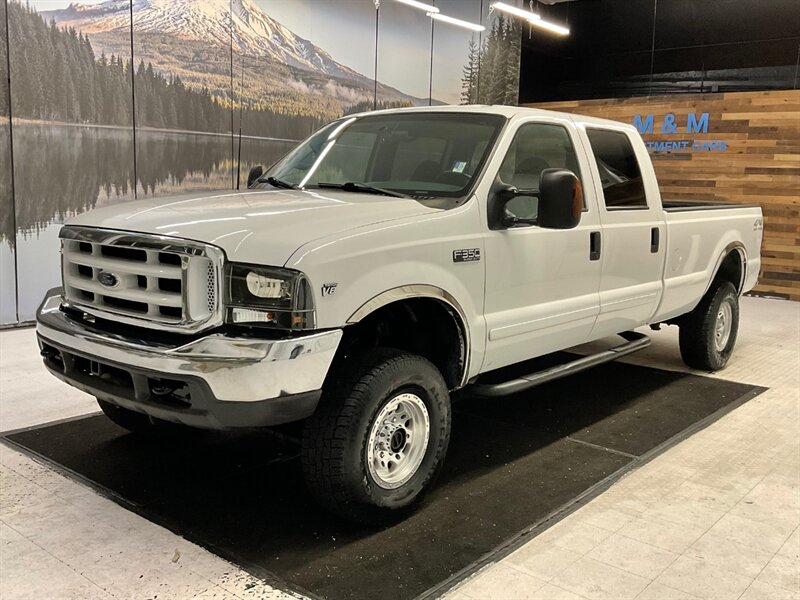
(254, 174)
(499, 197)
(560, 199)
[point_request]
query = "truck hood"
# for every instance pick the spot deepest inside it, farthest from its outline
(261, 227)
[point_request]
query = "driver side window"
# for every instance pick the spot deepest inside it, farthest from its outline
(536, 147)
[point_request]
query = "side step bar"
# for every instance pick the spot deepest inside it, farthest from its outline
(636, 341)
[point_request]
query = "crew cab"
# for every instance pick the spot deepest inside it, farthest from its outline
(389, 260)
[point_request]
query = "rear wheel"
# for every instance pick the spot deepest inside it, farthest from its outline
(708, 333)
(379, 436)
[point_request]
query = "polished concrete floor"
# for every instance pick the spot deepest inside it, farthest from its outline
(717, 516)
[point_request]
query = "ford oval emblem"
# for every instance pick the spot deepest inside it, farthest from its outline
(108, 279)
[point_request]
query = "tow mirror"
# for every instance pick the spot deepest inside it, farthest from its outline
(254, 174)
(499, 198)
(560, 199)
(557, 204)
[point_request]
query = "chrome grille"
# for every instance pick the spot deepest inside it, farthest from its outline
(141, 279)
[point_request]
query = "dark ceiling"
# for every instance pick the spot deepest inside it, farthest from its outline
(635, 47)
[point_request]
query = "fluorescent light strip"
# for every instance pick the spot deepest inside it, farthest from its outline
(458, 22)
(420, 5)
(517, 12)
(552, 27)
(532, 18)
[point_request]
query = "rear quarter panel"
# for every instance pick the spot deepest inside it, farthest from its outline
(697, 241)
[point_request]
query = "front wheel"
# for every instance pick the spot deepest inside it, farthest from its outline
(379, 436)
(708, 333)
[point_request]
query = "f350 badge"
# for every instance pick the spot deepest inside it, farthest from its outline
(466, 255)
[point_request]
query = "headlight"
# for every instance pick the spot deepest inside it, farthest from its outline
(269, 296)
(261, 286)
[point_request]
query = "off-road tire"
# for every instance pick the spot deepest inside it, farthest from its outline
(698, 329)
(334, 444)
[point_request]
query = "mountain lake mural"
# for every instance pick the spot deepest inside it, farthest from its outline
(112, 101)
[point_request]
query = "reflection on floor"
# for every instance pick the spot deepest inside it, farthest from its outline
(716, 516)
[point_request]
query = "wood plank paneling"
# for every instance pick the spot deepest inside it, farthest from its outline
(761, 165)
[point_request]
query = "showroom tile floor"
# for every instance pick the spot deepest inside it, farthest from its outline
(717, 516)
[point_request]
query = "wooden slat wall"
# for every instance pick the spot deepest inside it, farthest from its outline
(761, 165)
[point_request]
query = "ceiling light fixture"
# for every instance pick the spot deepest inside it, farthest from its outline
(531, 17)
(458, 22)
(552, 27)
(430, 8)
(517, 12)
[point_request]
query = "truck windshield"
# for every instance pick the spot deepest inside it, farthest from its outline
(417, 154)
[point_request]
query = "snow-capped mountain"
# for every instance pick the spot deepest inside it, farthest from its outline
(252, 32)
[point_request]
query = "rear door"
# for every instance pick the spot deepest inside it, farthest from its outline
(633, 240)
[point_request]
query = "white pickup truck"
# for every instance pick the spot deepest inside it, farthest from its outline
(388, 260)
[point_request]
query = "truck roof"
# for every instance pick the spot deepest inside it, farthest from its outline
(506, 111)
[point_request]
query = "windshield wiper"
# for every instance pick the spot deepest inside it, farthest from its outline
(278, 183)
(364, 188)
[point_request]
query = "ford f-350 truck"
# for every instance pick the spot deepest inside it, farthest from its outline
(390, 259)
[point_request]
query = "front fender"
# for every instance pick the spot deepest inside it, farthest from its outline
(373, 266)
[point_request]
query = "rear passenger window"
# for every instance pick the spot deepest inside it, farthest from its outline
(623, 187)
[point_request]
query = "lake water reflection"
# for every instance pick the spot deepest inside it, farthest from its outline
(8, 289)
(63, 170)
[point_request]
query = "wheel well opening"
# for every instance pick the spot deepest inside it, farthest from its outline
(423, 326)
(731, 270)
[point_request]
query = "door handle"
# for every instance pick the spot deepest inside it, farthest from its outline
(654, 239)
(595, 244)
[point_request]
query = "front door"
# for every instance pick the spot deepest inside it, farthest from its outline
(541, 284)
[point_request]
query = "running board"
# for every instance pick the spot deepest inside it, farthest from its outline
(636, 341)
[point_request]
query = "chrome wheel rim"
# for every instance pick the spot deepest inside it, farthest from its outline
(398, 440)
(722, 327)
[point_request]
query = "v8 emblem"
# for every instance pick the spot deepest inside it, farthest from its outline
(329, 289)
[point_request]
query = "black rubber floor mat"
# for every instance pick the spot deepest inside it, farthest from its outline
(512, 462)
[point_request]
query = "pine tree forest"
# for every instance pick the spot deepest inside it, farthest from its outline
(3, 64)
(57, 77)
(491, 73)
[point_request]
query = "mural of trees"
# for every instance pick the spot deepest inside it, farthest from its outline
(491, 73)
(56, 75)
(6, 204)
(73, 82)
(61, 79)
(469, 80)
(3, 63)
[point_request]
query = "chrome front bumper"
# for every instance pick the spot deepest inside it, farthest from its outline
(226, 372)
